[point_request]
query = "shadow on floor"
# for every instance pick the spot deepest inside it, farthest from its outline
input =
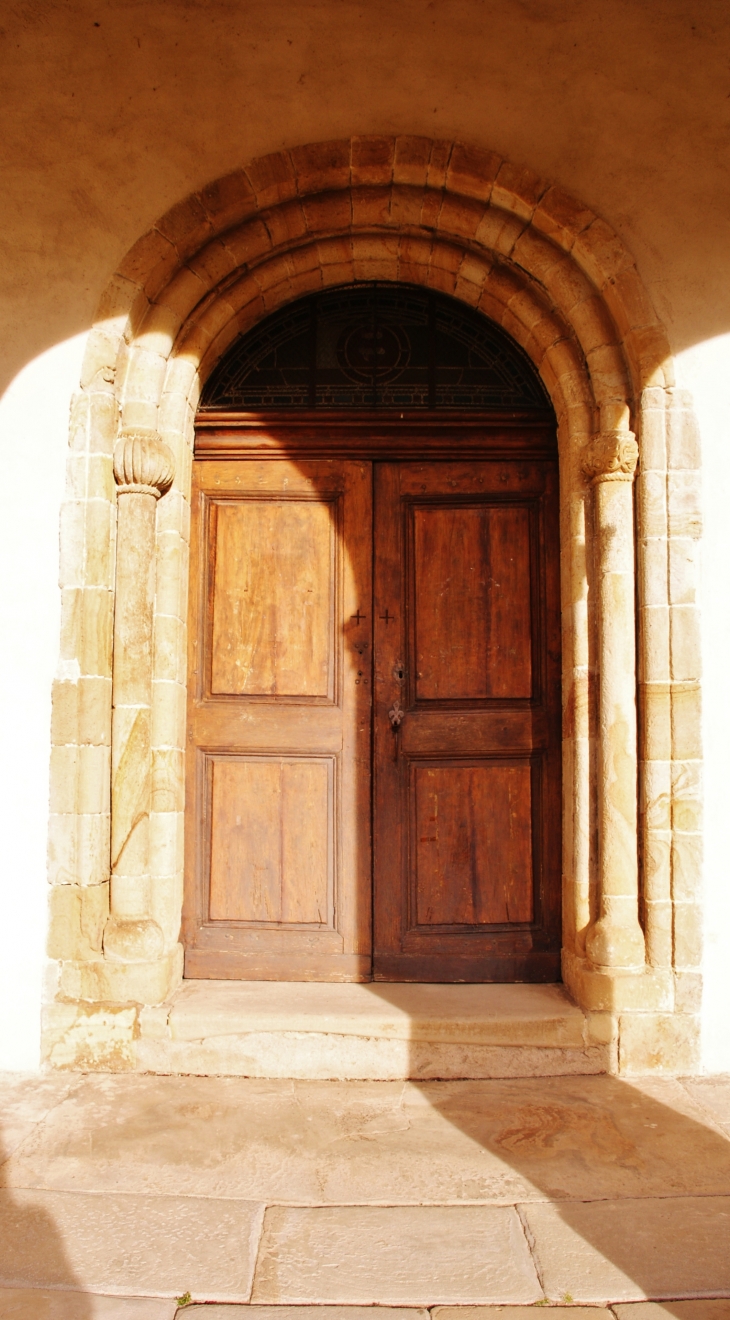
(32, 1254)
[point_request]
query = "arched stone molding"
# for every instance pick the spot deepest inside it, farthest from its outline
(555, 276)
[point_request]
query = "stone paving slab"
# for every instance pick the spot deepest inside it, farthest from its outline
(161, 1246)
(632, 1250)
(38, 1304)
(519, 1313)
(713, 1095)
(308, 1313)
(313, 1143)
(25, 1100)
(413, 1256)
(696, 1310)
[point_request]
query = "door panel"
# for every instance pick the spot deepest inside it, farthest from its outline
(472, 602)
(272, 599)
(473, 843)
(466, 722)
(271, 833)
(278, 872)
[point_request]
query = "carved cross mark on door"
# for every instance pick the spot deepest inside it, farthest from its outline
(388, 617)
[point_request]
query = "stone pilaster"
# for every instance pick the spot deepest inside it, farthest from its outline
(615, 941)
(143, 469)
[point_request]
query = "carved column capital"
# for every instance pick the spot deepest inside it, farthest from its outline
(611, 456)
(143, 464)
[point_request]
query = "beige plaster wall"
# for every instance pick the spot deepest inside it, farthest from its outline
(113, 112)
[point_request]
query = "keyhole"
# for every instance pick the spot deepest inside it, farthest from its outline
(399, 673)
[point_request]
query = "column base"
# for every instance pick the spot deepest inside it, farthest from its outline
(606, 990)
(616, 950)
(133, 941)
(107, 981)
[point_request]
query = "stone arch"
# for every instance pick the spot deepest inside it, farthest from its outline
(451, 217)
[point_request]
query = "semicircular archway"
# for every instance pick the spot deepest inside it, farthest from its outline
(449, 217)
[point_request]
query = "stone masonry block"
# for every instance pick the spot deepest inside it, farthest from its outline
(328, 213)
(228, 200)
(684, 448)
(441, 151)
(560, 217)
(100, 529)
(167, 779)
(656, 704)
(169, 648)
(688, 992)
(76, 920)
(655, 794)
(686, 722)
(160, 328)
(517, 189)
(285, 223)
(656, 850)
(272, 179)
(652, 439)
(654, 571)
(651, 493)
(687, 795)
(684, 570)
(410, 165)
(654, 644)
(186, 225)
(78, 849)
(370, 207)
(248, 241)
(321, 166)
(471, 171)
(687, 935)
(86, 1037)
(168, 714)
(601, 254)
(166, 842)
(684, 499)
(460, 216)
(658, 1043)
(685, 642)
(372, 160)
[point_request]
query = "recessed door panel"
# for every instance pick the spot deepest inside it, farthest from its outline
(271, 841)
(472, 844)
(472, 601)
(273, 597)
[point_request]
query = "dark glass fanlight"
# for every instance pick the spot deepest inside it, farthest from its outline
(375, 346)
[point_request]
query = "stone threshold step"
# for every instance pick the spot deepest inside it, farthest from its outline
(375, 1031)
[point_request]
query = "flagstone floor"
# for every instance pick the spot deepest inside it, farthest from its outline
(121, 1194)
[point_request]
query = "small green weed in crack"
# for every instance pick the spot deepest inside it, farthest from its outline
(185, 1300)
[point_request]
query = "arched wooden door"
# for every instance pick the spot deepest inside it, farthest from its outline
(374, 686)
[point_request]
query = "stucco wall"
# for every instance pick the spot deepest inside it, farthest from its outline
(112, 112)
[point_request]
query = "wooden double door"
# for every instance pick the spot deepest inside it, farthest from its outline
(374, 720)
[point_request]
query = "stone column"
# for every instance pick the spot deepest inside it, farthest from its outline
(143, 468)
(615, 942)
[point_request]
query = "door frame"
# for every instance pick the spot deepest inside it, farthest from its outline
(369, 435)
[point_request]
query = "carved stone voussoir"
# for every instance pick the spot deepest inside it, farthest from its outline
(611, 456)
(143, 464)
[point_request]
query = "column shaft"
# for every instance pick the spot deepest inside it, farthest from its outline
(615, 942)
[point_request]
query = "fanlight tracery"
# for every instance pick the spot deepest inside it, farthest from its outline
(376, 345)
